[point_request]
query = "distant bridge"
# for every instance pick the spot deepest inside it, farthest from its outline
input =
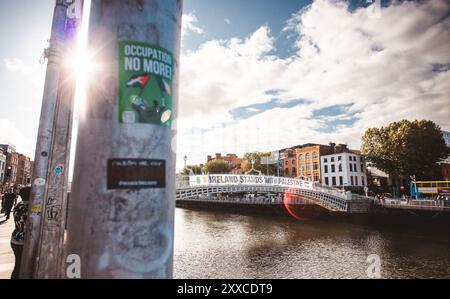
(195, 186)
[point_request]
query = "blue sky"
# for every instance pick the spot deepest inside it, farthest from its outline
(24, 30)
(244, 16)
(266, 74)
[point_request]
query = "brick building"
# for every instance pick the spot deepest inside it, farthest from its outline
(19, 163)
(308, 160)
(23, 170)
(12, 161)
(288, 162)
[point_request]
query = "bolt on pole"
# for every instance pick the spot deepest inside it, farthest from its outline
(44, 139)
(122, 202)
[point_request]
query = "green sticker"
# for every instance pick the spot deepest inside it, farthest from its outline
(145, 84)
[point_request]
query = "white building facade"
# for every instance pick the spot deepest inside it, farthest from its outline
(346, 169)
(2, 166)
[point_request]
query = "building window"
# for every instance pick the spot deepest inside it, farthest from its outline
(363, 182)
(316, 177)
(351, 180)
(333, 180)
(293, 162)
(294, 170)
(309, 177)
(333, 169)
(302, 168)
(332, 159)
(340, 167)
(326, 168)
(308, 156)
(327, 182)
(362, 168)
(308, 166)
(361, 159)
(341, 181)
(315, 155)
(351, 167)
(316, 165)
(287, 163)
(355, 168)
(286, 171)
(325, 160)
(339, 158)
(356, 180)
(300, 157)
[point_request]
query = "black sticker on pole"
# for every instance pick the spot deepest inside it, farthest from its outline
(136, 174)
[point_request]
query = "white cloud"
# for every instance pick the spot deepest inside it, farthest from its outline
(228, 21)
(190, 24)
(381, 65)
(17, 65)
(9, 133)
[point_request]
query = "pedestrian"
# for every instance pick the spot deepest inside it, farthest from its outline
(9, 201)
(18, 235)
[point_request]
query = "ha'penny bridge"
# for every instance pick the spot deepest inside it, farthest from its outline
(205, 188)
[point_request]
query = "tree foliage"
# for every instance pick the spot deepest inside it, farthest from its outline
(406, 148)
(257, 157)
(217, 167)
(246, 166)
(196, 169)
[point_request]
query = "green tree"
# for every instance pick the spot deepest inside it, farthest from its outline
(217, 167)
(196, 169)
(406, 148)
(259, 159)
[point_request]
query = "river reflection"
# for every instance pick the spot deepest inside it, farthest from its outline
(221, 245)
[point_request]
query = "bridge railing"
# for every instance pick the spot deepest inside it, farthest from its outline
(182, 181)
(330, 198)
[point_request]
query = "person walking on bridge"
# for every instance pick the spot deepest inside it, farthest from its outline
(9, 201)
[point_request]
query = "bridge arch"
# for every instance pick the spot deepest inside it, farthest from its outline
(195, 186)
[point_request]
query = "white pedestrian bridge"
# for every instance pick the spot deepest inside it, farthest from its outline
(196, 186)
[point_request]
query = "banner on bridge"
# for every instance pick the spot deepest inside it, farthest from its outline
(249, 180)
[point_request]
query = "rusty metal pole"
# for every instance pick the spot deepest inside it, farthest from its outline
(121, 210)
(44, 140)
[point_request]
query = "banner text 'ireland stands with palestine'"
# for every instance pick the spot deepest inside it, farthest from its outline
(236, 179)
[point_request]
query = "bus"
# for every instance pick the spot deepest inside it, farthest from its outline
(430, 188)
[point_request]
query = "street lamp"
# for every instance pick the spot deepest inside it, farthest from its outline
(185, 159)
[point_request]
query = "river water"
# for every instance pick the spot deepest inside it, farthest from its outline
(222, 245)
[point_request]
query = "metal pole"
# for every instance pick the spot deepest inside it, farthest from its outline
(44, 139)
(51, 241)
(121, 211)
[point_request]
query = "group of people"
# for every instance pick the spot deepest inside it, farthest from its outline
(18, 204)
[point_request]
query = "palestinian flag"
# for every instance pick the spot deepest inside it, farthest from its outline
(138, 80)
(164, 86)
